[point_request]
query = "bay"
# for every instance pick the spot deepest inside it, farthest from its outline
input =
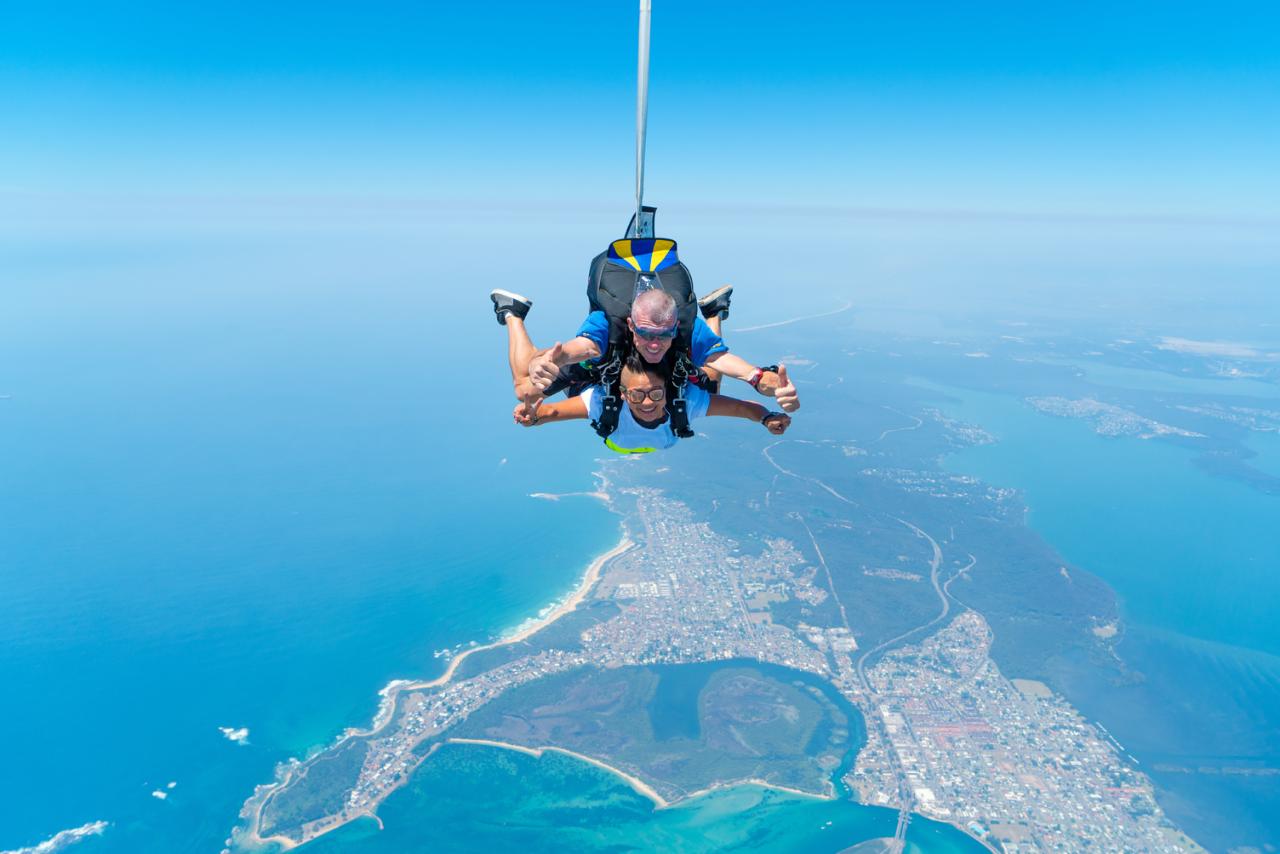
(468, 798)
(1193, 561)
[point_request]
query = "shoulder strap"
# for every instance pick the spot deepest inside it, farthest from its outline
(677, 405)
(610, 382)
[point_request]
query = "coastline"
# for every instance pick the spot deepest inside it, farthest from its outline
(644, 789)
(638, 785)
(556, 496)
(390, 693)
(520, 633)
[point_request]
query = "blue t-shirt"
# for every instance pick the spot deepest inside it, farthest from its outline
(631, 437)
(703, 345)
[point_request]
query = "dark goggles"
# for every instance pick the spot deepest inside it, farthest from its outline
(656, 334)
(638, 395)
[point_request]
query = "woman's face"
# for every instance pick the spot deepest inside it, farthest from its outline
(633, 383)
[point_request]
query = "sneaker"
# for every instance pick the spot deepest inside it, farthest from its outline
(716, 302)
(505, 303)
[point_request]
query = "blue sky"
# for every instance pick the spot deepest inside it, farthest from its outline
(1089, 108)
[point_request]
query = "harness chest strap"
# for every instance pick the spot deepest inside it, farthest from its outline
(610, 379)
(614, 446)
(677, 405)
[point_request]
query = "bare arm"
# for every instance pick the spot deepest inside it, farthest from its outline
(561, 410)
(775, 422)
(545, 366)
(731, 365)
(771, 383)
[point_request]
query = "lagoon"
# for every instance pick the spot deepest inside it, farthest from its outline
(471, 798)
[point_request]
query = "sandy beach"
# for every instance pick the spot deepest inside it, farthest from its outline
(390, 693)
(526, 631)
(640, 786)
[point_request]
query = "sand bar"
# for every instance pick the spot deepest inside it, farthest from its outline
(640, 786)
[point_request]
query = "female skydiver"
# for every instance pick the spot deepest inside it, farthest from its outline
(644, 425)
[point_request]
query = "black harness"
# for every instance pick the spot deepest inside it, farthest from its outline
(609, 377)
(614, 278)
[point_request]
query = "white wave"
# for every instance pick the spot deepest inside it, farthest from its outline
(64, 839)
(239, 736)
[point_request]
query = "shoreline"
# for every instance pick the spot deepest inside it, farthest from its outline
(390, 693)
(525, 630)
(660, 803)
(638, 785)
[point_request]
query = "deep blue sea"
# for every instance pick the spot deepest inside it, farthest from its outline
(245, 484)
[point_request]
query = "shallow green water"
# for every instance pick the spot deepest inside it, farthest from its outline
(473, 798)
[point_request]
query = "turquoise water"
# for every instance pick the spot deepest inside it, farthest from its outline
(468, 798)
(237, 490)
(1186, 551)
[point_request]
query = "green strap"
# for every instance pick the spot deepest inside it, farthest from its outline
(614, 446)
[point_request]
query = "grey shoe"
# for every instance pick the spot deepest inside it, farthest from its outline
(506, 303)
(716, 303)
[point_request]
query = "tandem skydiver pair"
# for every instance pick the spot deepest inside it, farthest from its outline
(648, 343)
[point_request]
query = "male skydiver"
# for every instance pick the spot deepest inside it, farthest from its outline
(643, 425)
(654, 326)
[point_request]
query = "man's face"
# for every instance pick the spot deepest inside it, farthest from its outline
(644, 387)
(650, 338)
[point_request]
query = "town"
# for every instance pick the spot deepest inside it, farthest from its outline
(948, 736)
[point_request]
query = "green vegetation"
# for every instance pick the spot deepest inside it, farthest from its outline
(683, 728)
(321, 788)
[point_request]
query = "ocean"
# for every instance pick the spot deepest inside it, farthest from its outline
(250, 475)
(246, 483)
(242, 486)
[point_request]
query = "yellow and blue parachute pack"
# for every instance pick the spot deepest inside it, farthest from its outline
(633, 264)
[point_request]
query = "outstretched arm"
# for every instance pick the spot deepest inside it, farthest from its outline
(547, 412)
(769, 383)
(546, 365)
(775, 422)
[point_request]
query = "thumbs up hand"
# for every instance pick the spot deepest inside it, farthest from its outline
(544, 368)
(786, 395)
